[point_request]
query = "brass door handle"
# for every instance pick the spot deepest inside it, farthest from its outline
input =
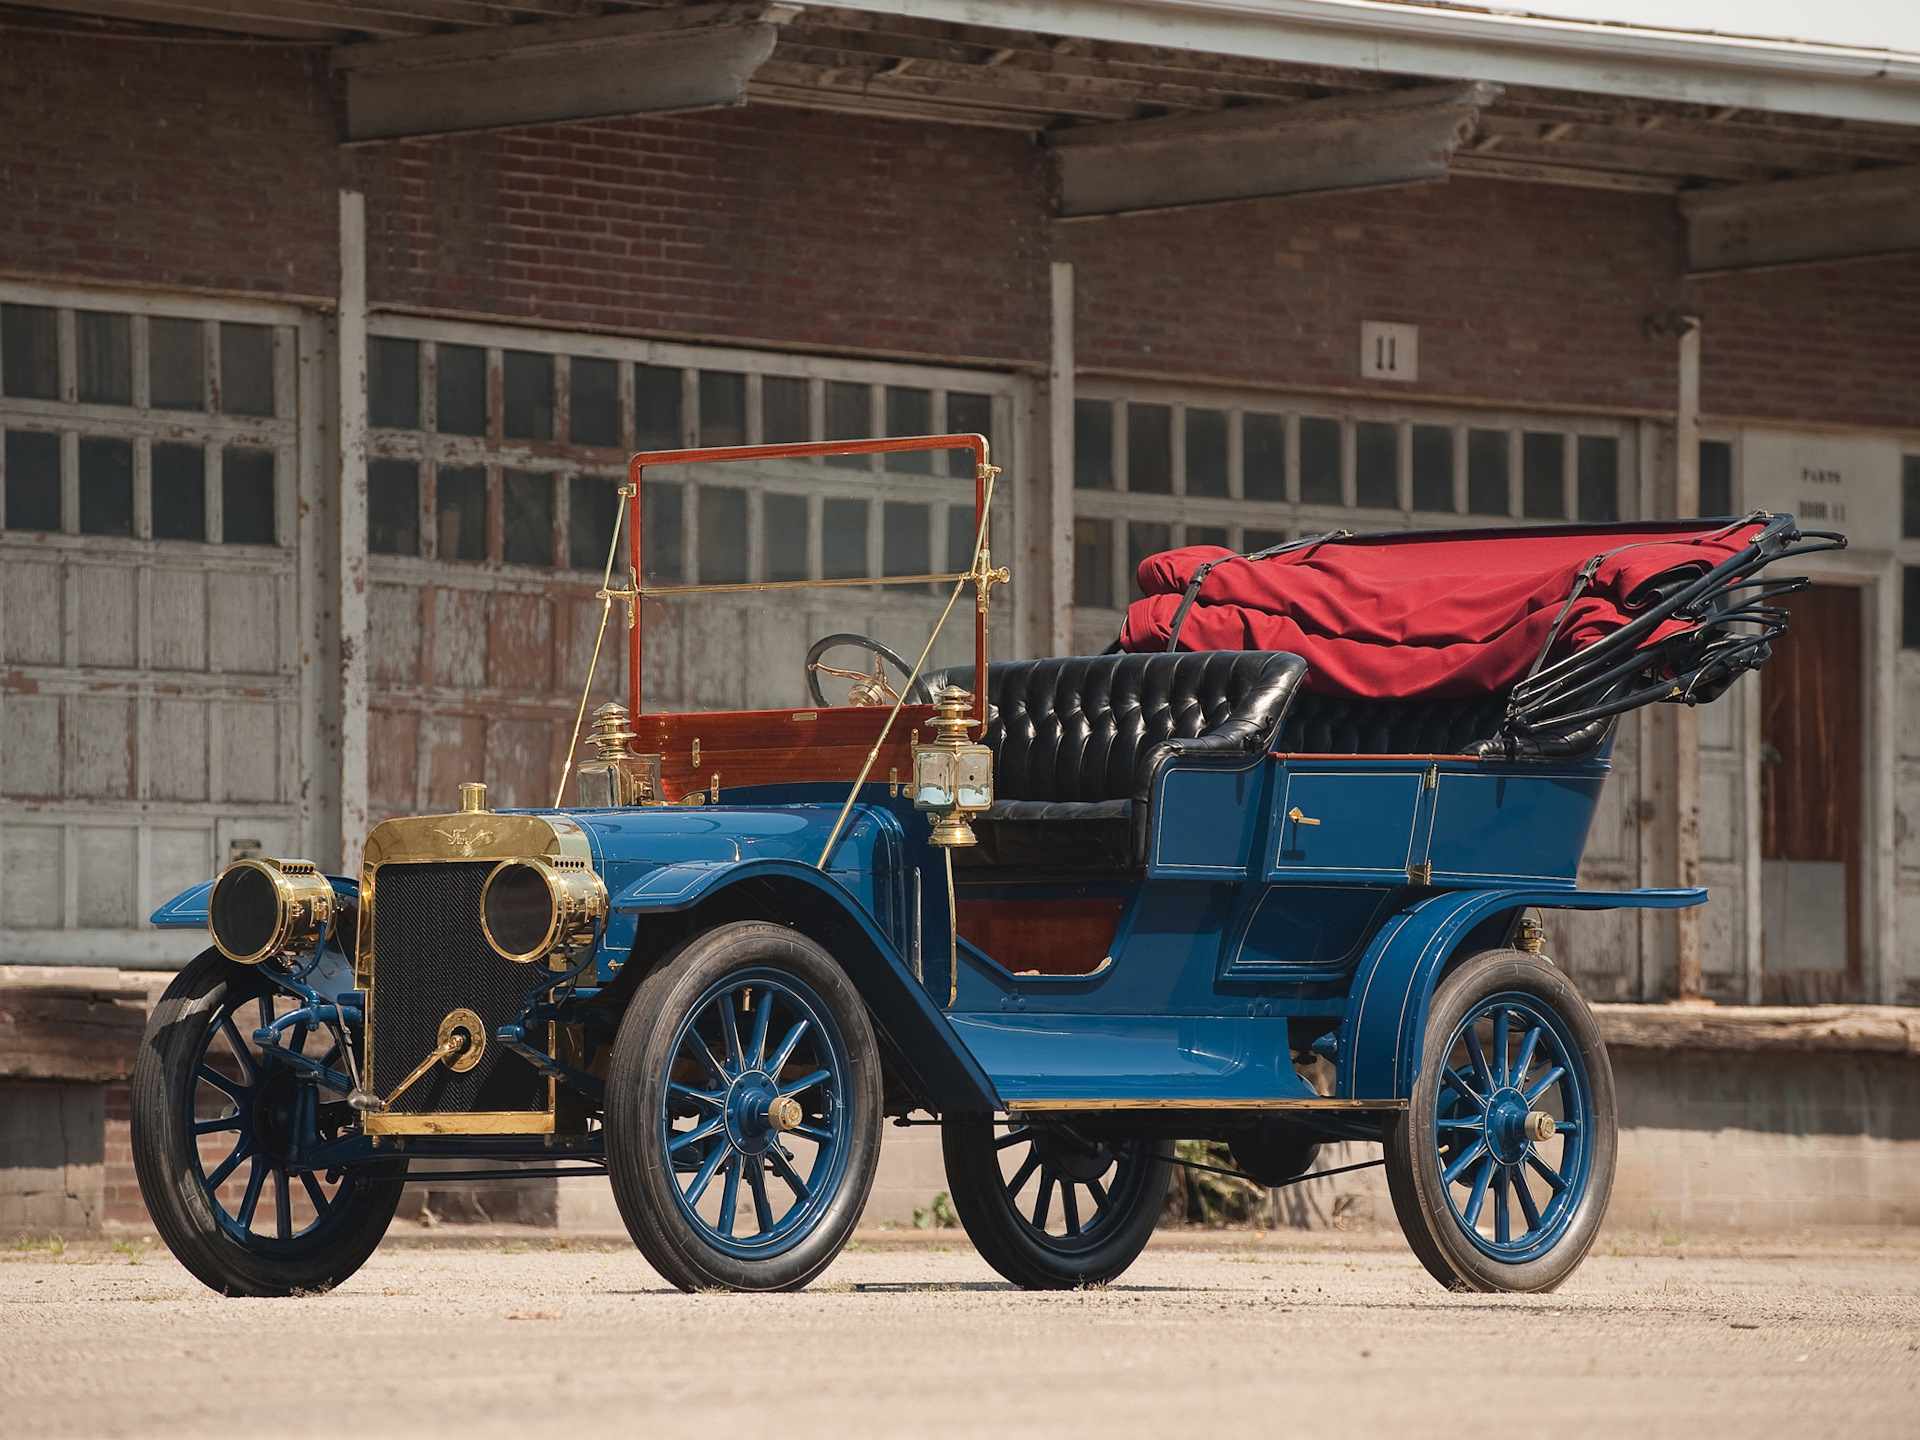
(1297, 818)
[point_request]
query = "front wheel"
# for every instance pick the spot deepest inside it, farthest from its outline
(1501, 1166)
(1051, 1208)
(743, 1111)
(218, 1127)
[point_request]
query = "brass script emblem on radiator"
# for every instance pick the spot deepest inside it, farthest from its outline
(464, 841)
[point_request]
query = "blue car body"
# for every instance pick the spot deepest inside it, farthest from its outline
(1244, 925)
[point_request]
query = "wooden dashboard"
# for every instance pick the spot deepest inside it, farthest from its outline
(710, 750)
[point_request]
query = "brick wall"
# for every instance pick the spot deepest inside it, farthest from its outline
(1521, 292)
(120, 1203)
(168, 164)
(1825, 342)
(762, 223)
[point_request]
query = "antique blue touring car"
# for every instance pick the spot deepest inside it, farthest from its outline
(1270, 896)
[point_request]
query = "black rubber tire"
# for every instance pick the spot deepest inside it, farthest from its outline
(161, 1121)
(637, 1074)
(1413, 1169)
(1026, 1256)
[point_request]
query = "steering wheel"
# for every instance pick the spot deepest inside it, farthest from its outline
(870, 688)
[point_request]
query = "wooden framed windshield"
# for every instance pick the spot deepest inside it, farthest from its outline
(962, 531)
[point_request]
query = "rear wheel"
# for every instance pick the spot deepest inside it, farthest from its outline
(1502, 1164)
(218, 1123)
(743, 1111)
(1049, 1207)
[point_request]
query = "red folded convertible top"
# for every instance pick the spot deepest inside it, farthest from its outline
(1426, 615)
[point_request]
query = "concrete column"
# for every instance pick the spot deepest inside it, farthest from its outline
(314, 590)
(1654, 753)
(1686, 748)
(1747, 694)
(352, 391)
(1060, 466)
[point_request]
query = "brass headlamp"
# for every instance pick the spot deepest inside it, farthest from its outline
(537, 906)
(262, 908)
(952, 777)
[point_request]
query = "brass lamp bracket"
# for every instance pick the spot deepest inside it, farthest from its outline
(1530, 935)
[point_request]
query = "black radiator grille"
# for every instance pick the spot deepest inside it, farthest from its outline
(430, 957)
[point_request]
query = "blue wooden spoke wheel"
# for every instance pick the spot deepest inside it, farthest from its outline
(1052, 1207)
(743, 1111)
(1502, 1164)
(218, 1127)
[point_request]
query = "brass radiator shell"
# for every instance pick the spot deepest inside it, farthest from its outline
(433, 867)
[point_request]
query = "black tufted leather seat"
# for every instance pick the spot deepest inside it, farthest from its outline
(1324, 725)
(1076, 740)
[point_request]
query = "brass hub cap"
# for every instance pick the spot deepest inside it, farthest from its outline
(784, 1113)
(757, 1113)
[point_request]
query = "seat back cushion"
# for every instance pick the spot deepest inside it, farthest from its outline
(1076, 728)
(1328, 725)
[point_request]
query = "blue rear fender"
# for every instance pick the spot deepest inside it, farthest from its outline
(921, 1043)
(1385, 1025)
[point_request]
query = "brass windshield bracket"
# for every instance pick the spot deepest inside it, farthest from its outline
(626, 596)
(984, 577)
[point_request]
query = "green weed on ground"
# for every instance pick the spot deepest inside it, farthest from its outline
(937, 1216)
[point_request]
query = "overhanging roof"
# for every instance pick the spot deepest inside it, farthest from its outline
(1796, 77)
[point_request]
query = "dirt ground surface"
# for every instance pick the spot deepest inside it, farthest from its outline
(489, 1334)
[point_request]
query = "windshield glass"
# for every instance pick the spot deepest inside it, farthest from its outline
(749, 562)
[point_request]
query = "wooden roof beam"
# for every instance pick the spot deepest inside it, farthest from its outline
(1399, 137)
(698, 57)
(1791, 222)
(265, 19)
(341, 21)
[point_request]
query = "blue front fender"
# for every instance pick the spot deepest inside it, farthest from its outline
(188, 909)
(1385, 1027)
(936, 1063)
(185, 911)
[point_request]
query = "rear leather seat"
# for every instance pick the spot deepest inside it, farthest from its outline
(1076, 740)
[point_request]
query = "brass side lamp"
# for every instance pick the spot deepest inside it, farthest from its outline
(616, 777)
(953, 776)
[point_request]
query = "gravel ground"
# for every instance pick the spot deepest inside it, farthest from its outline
(483, 1335)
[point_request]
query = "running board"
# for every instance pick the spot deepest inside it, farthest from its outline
(1200, 1104)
